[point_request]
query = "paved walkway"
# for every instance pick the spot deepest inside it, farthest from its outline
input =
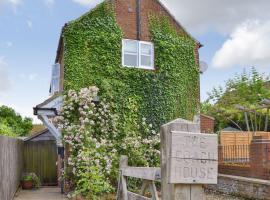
(44, 193)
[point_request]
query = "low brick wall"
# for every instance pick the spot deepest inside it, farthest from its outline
(244, 187)
(234, 170)
(11, 163)
(234, 162)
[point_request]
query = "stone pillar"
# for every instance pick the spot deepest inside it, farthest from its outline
(260, 157)
(177, 191)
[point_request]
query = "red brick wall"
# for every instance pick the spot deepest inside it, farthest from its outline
(207, 124)
(244, 171)
(259, 161)
(126, 16)
(259, 157)
(234, 170)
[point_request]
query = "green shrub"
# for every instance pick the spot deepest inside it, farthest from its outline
(94, 137)
(32, 177)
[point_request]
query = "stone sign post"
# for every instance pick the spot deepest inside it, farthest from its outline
(188, 160)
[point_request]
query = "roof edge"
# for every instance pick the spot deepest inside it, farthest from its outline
(61, 42)
(212, 118)
(35, 135)
(178, 23)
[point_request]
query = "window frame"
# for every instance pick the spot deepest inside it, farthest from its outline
(134, 54)
(139, 54)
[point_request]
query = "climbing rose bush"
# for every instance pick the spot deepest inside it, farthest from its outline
(95, 140)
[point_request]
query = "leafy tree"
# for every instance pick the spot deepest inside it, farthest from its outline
(13, 124)
(247, 90)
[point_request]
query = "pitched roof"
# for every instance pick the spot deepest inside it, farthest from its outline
(177, 22)
(35, 135)
(212, 118)
(60, 43)
(37, 128)
(49, 100)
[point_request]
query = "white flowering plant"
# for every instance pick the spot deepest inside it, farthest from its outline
(95, 138)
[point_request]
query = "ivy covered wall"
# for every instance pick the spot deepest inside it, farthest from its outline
(92, 56)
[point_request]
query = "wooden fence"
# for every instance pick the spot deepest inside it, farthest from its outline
(234, 154)
(11, 160)
(239, 138)
(147, 174)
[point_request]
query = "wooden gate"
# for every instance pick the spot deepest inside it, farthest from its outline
(189, 160)
(40, 157)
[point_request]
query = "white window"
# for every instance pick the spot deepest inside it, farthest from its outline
(138, 54)
(55, 82)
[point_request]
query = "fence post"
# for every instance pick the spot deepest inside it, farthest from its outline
(177, 191)
(122, 182)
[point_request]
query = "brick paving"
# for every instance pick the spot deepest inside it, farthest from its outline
(53, 193)
(44, 193)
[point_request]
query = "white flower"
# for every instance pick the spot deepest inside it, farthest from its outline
(74, 170)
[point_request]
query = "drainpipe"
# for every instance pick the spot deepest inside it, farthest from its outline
(138, 10)
(61, 153)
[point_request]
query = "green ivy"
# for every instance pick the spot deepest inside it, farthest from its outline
(92, 56)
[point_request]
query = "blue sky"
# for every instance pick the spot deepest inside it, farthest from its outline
(235, 35)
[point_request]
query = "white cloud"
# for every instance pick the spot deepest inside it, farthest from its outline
(33, 76)
(14, 2)
(88, 3)
(248, 45)
(29, 23)
(4, 76)
(49, 3)
(218, 15)
(9, 44)
(244, 22)
(29, 77)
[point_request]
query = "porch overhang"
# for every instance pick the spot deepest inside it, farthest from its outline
(46, 111)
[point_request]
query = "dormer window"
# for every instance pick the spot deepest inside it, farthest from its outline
(137, 54)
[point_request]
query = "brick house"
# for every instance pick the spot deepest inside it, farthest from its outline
(163, 88)
(132, 18)
(137, 51)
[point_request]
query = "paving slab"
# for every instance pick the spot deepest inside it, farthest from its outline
(44, 193)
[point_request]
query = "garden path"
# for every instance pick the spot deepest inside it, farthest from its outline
(44, 193)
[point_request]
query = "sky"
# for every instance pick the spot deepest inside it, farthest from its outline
(235, 35)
